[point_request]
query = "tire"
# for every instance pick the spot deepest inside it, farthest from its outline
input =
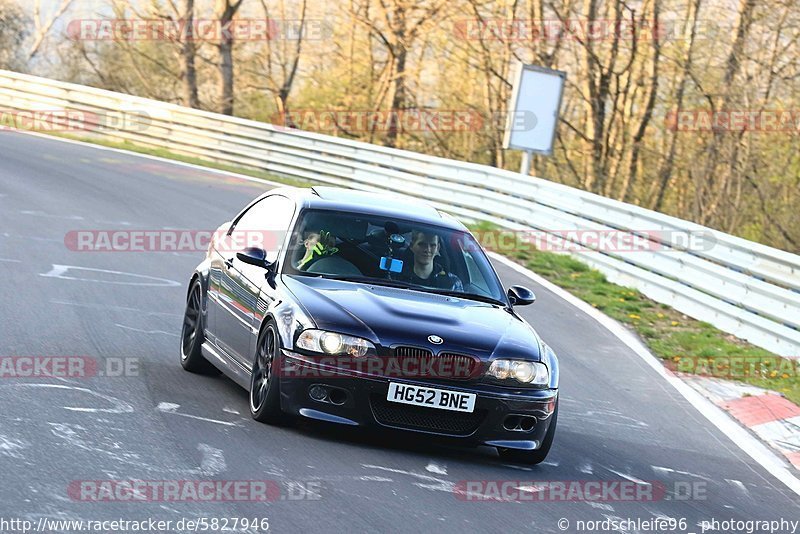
(536, 456)
(192, 334)
(265, 396)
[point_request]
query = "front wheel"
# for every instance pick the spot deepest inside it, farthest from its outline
(537, 456)
(265, 402)
(192, 334)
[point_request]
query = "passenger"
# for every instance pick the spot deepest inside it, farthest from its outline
(317, 245)
(426, 271)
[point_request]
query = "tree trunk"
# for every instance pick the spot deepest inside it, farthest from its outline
(399, 85)
(187, 58)
(225, 13)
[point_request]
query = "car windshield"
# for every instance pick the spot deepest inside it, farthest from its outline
(388, 251)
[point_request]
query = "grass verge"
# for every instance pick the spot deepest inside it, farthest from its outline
(685, 344)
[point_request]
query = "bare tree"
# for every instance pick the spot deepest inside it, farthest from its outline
(43, 25)
(397, 25)
(14, 27)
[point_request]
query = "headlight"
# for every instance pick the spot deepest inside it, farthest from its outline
(525, 372)
(333, 343)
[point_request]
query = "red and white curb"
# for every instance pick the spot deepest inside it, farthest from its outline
(772, 418)
(768, 415)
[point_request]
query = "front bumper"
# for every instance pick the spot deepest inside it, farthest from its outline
(361, 401)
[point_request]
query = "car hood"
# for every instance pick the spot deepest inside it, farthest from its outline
(394, 316)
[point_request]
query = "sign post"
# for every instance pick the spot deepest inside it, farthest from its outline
(533, 112)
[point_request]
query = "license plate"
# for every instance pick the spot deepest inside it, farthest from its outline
(431, 397)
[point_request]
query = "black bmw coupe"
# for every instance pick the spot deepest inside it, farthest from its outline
(370, 310)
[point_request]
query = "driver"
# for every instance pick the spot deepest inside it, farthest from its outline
(426, 271)
(317, 245)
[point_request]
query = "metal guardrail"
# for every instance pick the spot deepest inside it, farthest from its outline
(741, 287)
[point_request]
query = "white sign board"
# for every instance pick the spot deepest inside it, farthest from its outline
(533, 110)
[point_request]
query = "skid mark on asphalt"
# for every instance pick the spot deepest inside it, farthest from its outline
(118, 406)
(61, 272)
(171, 408)
(146, 331)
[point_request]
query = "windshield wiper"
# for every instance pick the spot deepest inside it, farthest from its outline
(469, 296)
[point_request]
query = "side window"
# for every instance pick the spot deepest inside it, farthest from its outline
(264, 225)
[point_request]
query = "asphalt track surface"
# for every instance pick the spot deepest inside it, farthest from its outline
(619, 420)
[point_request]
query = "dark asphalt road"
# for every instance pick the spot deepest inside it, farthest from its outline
(619, 420)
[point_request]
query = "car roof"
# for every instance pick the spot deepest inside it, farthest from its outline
(367, 202)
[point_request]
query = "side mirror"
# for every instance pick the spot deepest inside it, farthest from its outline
(520, 296)
(254, 256)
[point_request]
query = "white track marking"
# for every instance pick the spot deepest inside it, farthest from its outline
(718, 417)
(119, 406)
(51, 216)
(436, 468)
(629, 477)
(8, 260)
(738, 484)
(600, 506)
(60, 272)
(110, 307)
(666, 470)
(11, 447)
(431, 483)
(213, 462)
(146, 331)
(168, 407)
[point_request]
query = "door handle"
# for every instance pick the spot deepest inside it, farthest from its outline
(229, 263)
